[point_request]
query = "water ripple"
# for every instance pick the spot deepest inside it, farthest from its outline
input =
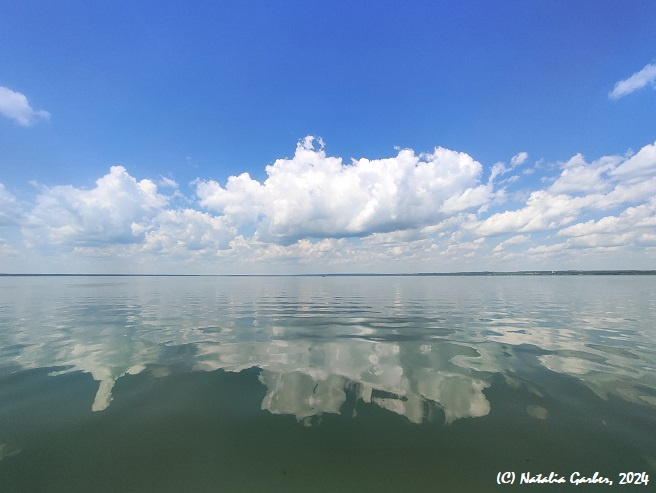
(407, 345)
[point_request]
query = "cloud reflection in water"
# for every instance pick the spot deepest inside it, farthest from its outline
(417, 347)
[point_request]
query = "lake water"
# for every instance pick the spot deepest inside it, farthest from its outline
(239, 384)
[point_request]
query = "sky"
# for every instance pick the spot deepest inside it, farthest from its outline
(294, 137)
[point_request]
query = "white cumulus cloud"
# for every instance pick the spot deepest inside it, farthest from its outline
(15, 105)
(605, 183)
(543, 211)
(101, 215)
(178, 232)
(580, 177)
(631, 219)
(315, 195)
(637, 81)
(319, 213)
(638, 166)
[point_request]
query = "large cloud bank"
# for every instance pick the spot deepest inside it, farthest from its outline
(437, 211)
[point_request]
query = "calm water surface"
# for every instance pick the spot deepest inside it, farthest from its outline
(324, 384)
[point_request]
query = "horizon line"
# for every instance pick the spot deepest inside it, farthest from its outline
(361, 274)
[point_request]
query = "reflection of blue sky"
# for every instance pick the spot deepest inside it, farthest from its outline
(408, 345)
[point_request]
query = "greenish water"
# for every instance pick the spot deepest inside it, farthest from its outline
(324, 384)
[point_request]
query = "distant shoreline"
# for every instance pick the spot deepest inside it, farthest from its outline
(625, 272)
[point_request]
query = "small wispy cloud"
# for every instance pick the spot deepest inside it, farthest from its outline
(15, 106)
(637, 81)
(500, 168)
(518, 159)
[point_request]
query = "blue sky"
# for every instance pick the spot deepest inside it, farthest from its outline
(121, 125)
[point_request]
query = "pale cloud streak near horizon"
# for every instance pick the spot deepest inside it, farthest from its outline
(407, 213)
